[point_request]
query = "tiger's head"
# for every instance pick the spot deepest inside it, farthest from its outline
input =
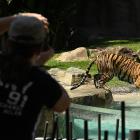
(129, 53)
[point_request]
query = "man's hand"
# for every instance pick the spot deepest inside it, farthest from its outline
(43, 19)
(44, 56)
(5, 22)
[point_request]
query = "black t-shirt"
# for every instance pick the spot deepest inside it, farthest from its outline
(20, 104)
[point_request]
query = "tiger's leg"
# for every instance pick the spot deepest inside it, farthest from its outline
(100, 81)
(105, 87)
(137, 82)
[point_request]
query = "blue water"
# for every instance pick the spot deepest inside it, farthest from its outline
(108, 122)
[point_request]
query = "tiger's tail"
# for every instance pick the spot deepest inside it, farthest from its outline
(84, 77)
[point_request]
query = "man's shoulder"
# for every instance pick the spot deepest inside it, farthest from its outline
(39, 73)
(38, 70)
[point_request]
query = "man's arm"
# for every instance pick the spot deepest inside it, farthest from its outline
(5, 23)
(63, 103)
(44, 56)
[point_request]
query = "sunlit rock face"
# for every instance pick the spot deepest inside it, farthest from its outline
(86, 94)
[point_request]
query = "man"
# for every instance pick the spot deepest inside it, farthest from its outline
(24, 87)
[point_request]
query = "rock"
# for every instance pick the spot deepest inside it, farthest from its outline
(73, 75)
(77, 54)
(69, 77)
(86, 94)
(57, 74)
(89, 95)
(74, 70)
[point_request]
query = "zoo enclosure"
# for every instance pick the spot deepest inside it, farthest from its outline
(76, 111)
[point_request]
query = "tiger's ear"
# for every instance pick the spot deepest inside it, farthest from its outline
(137, 82)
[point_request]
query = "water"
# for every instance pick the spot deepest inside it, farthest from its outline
(109, 116)
(107, 123)
(108, 120)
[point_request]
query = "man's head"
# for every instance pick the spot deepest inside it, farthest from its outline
(27, 29)
(27, 35)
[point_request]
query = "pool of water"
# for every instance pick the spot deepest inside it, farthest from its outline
(109, 116)
(107, 123)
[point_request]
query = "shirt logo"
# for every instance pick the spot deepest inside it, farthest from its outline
(15, 100)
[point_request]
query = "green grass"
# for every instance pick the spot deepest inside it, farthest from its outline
(64, 65)
(134, 44)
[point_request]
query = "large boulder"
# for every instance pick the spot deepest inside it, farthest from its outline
(88, 95)
(67, 77)
(78, 54)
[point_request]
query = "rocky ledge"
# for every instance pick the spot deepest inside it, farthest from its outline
(86, 94)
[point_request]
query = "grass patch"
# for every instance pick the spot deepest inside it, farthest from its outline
(134, 44)
(64, 65)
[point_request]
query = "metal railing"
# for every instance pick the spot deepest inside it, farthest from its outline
(133, 135)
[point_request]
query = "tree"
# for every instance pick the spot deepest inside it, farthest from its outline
(3, 8)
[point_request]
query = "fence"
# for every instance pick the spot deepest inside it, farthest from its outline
(133, 135)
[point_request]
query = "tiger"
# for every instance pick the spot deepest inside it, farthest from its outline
(129, 53)
(110, 65)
